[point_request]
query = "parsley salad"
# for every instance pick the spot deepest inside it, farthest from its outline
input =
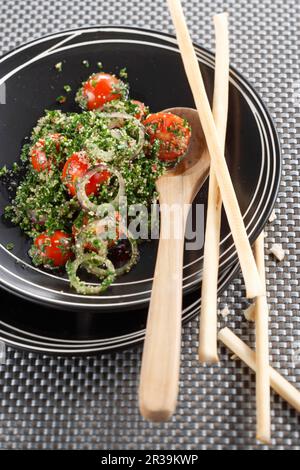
(76, 164)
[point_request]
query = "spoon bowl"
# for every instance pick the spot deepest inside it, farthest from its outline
(197, 143)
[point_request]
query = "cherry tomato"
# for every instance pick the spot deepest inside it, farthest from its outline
(172, 132)
(141, 109)
(76, 167)
(39, 158)
(101, 88)
(95, 182)
(53, 250)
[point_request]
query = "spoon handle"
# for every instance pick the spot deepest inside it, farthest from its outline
(161, 357)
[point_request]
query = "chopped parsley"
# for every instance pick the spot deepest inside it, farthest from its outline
(58, 66)
(3, 171)
(61, 99)
(123, 73)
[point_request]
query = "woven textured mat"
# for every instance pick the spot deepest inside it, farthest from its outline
(91, 403)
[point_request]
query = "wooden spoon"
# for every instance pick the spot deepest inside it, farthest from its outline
(161, 357)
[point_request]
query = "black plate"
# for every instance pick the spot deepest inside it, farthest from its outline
(60, 332)
(156, 77)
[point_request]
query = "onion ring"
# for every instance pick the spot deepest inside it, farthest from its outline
(88, 259)
(118, 121)
(88, 236)
(90, 233)
(84, 200)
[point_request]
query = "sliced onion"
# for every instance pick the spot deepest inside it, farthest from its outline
(94, 230)
(88, 260)
(117, 121)
(87, 235)
(100, 154)
(116, 133)
(98, 271)
(84, 200)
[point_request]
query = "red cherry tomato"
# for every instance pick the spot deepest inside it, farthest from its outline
(39, 159)
(95, 182)
(53, 250)
(140, 109)
(76, 167)
(172, 132)
(101, 88)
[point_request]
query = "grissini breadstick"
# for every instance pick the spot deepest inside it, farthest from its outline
(208, 320)
(281, 386)
(262, 351)
(252, 279)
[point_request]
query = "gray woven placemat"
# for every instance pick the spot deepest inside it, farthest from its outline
(91, 403)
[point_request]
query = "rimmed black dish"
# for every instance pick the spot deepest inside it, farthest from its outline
(52, 331)
(156, 77)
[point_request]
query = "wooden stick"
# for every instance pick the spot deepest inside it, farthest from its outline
(262, 351)
(249, 269)
(208, 320)
(281, 386)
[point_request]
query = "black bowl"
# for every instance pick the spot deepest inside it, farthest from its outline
(157, 77)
